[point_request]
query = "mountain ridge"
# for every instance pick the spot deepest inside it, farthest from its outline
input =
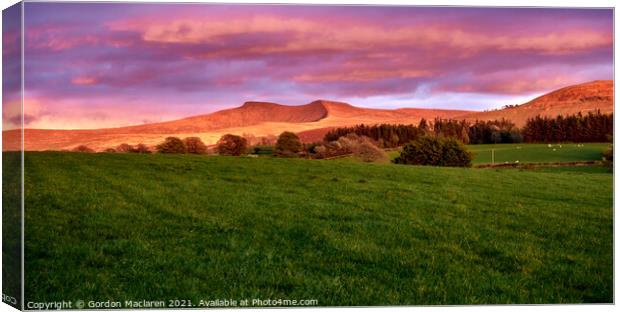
(310, 120)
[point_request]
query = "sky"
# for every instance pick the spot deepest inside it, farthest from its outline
(94, 65)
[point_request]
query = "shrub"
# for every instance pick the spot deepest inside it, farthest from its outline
(109, 150)
(142, 149)
(124, 148)
(362, 147)
(172, 145)
(83, 149)
(288, 145)
(368, 152)
(342, 146)
(194, 145)
(310, 148)
(231, 144)
(435, 151)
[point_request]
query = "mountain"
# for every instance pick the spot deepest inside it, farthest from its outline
(254, 118)
(311, 121)
(249, 114)
(586, 97)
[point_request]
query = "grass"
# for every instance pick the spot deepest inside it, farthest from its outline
(158, 227)
(11, 227)
(537, 153)
(575, 169)
(532, 153)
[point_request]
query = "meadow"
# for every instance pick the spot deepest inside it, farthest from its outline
(532, 153)
(537, 153)
(158, 227)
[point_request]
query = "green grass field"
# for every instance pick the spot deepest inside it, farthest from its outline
(532, 153)
(537, 153)
(158, 227)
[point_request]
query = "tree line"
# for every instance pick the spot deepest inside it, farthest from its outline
(591, 127)
(386, 135)
(390, 135)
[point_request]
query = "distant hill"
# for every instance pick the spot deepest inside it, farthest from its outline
(586, 97)
(311, 120)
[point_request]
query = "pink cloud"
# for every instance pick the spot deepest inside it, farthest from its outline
(362, 75)
(84, 80)
(192, 58)
(523, 81)
(330, 35)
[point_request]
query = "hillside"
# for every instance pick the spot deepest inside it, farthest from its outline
(586, 97)
(311, 120)
(249, 114)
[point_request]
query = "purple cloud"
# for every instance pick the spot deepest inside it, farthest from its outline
(141, 61)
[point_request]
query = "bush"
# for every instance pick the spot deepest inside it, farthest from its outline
(109, 150)
(141, 148)
(435, 151)
(232, 145)
(172, 145)
(340, 147)
(195, 145)
(362, 147)
(83, 149)
(368, 152)
(288, 145)
(124, 148)
(310, 148)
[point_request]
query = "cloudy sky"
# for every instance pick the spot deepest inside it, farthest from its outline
(101, 65)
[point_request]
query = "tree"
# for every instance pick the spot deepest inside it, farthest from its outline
(233, 145)
(423, 126)
(195, 145)
(435, 151)
(172, 145)
(386, 135)
(593, 127)
(464, 136)
(288, 144)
